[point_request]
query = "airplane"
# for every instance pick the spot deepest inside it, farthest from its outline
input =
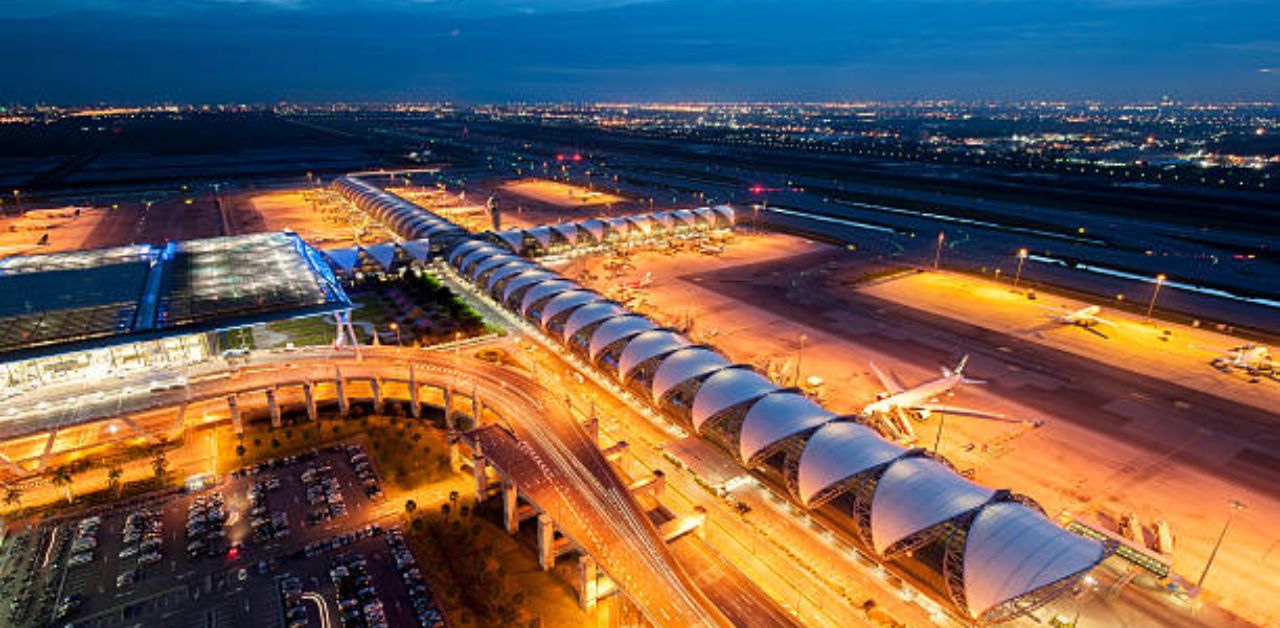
(1251, 358)
(1086, 318)
(897, 400)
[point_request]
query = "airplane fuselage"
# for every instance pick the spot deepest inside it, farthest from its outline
(912, 397)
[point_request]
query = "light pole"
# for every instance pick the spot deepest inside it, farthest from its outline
(1234, 507)
(1154, 293)
(937, 254)
(799, 357)
(17, 201)
(396, 328)
(1022, 258)
(937, 440)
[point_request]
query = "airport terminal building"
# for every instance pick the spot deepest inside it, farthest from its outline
(84, 315)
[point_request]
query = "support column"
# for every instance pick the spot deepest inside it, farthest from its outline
(659, 483)
(233, 405)
(415, 407)
(449, 423)
(510, 506)
(593, 429)
(587, 589)
(482, 478)
(546, 542)
(344, 406)
(476, 407)
(308, 392)
(376, 384)
(455, 451)
(274, 407)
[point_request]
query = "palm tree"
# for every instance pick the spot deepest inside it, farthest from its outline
(113, 479)
(13, 496)
(159, 464)
(62, 477)
(410, 506)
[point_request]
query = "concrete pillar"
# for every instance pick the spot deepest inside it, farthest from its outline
(233, 405)
(344, 406)
(449, 423)
(593, 429)
(659, 483)
(308, 392)
(482, 478)
(455, 451)
(274, 407)
(414, 406)
(476, 407)
(587, 589)
(546, 542)
(510, 506)
(376, 385)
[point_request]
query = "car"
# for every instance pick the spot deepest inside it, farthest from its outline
(83, 558)
(126, 578)
(242, 574)
(297, 612)
(129, 551)
(149, 559)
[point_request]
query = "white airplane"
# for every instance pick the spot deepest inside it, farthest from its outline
(897, 400)
(1086, 318)
(1251, 358)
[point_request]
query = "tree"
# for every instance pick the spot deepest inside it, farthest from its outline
(410, 506)
(13, 496)
(444, 510)
(113, 479)
(159, 464)
(62, 478)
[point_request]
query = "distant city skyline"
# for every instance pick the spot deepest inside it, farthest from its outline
(79, 52)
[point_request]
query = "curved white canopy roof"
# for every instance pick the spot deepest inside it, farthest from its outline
(568, 230)
(567, 301)
(915, 494)
(726, 212)
(618, 226)
(685, 216)
(648, 345)
(589, 314)
(541, 234)
(476, 256)
(594, 227)
(1012, 550)
(528, 277)
(776, 417)
(509, 270)
(493, 262)
(683, 365)
(642, 222)
(664, 219)
(544, 290)
(464, 249)
(726, 388)
(839, 451)
(616, 329)
(514, 239)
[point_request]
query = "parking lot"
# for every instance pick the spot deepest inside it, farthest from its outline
(218, 556)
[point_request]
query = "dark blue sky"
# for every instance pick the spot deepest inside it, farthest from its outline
(140, 51)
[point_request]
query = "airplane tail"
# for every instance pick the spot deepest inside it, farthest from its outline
(958, 370)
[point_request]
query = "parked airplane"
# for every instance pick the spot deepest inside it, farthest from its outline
(892, 405)
(1086, 318)
(1251, 358)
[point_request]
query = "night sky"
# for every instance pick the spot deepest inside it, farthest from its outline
(201, 51)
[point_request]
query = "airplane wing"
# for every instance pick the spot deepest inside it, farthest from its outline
(890, 384)
(980, 414)
(1096, 333)
(1104, 321)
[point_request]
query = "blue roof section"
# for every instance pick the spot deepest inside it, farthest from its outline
(87, 299)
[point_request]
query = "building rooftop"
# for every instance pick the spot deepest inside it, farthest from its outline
(72, 301)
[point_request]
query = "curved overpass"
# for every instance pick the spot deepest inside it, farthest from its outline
(566, 472)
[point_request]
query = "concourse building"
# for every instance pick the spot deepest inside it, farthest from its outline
(81, 316)
(992, 555)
